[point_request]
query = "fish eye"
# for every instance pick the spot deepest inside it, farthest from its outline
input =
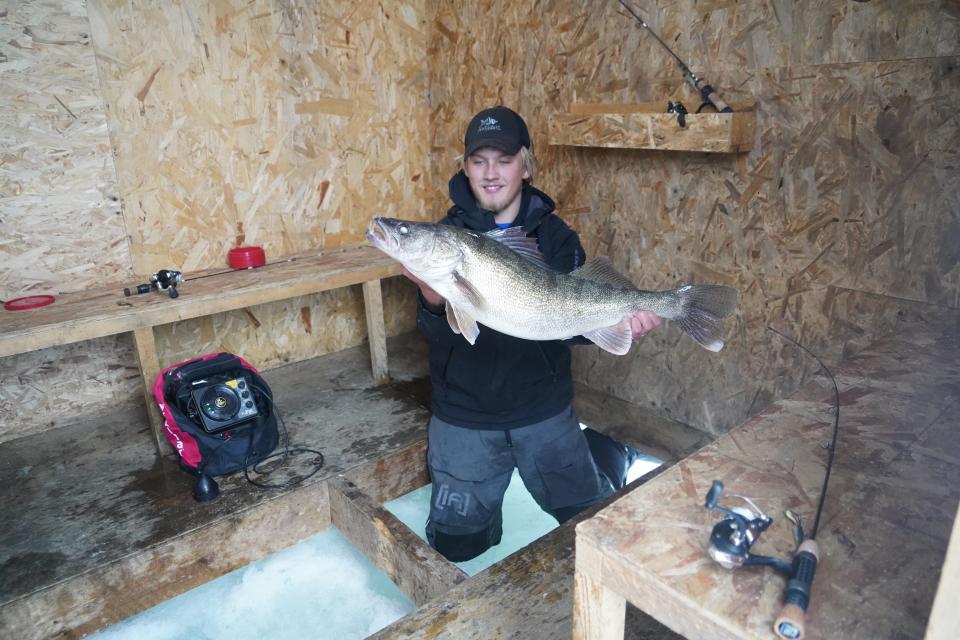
(403, 229)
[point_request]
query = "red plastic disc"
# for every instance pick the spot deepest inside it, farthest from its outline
(27, 302)
(246, 257)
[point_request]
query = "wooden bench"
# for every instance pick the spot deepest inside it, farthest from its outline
(85, 315)
(885, 527)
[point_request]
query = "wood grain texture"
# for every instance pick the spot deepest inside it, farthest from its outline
(59, 199)
(841, 217)
(93, 533)
(207, 125)
(415, 567)
(283, 125)
(94, 314)
(894, 486)
(706, 132)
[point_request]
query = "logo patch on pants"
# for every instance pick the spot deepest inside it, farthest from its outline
(459, 502)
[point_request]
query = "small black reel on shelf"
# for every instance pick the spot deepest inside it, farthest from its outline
(732, 537)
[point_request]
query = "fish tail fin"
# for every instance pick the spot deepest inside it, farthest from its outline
(701, 309)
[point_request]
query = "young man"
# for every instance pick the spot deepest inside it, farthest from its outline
(504, 402)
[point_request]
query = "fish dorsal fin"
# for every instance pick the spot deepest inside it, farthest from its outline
(616, 339)
(462, 323)
(601, 270)
(516, 239)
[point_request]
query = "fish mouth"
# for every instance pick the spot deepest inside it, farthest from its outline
(378, 235)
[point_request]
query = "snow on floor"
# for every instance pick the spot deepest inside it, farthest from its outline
(320, 588)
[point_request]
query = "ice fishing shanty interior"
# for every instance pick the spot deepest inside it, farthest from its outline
(139, 136)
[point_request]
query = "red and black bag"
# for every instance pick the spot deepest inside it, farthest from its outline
(217, 413)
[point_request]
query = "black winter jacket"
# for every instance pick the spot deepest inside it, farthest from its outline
(502, 382)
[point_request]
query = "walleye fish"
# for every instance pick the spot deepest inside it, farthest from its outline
(500, 279)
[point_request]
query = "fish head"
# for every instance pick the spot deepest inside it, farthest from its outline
(417, 245)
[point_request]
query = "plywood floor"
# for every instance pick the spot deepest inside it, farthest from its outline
(96, 527)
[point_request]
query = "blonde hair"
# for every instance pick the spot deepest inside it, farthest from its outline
(527, 158)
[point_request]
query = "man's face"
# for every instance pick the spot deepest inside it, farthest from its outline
(496, 178)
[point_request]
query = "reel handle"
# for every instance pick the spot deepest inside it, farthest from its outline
(713, 495)
(790, 623)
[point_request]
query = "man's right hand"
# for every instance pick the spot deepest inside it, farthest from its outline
(435, 302)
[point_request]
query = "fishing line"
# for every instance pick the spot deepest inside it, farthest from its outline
(836, 424)
(733, 537)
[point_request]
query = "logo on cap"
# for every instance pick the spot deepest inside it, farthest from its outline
(488, 124)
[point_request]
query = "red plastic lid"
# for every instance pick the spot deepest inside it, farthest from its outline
(28, 302)
(246, 257)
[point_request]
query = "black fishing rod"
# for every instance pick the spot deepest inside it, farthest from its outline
(168, 280)
(732, 537)
(709, 94)
(790, 623)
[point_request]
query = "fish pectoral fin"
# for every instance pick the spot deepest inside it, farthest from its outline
(468, 291)
(601, 270)
(452, 319)
(616, 339)
(462, 322)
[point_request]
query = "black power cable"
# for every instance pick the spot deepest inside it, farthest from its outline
(263, 397)
(286, 453)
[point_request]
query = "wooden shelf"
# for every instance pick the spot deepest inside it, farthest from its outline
(92, 314)
(649, 126)
(86, 315)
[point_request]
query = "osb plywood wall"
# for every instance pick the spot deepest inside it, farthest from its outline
(281, 124)
(59, 206)
(274, 123)
(845, 214)
(60, 223)
(288, 124)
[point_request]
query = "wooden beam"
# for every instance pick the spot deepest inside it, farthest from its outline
(627, 126)
(598, 612)
(146, 347)
(415, 567)
(376, 332)
(111, 592)
(595, 108)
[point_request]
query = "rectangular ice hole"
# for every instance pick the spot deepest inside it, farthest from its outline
(523, 519)
(321, 587)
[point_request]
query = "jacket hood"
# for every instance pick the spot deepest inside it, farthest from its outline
(534, 204)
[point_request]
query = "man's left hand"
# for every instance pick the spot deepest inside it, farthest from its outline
(642, 323)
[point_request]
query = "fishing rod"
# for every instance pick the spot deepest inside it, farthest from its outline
(168, 279)
(732, 537)
(709, 94)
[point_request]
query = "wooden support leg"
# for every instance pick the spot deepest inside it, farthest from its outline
(599, 613)
(149, 370)
(376, 332)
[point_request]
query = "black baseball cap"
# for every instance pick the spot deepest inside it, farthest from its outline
(498, 127)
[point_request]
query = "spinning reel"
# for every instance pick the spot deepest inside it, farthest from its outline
(163, 280)
(730, 543)
(681, 111)
(732, 537)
